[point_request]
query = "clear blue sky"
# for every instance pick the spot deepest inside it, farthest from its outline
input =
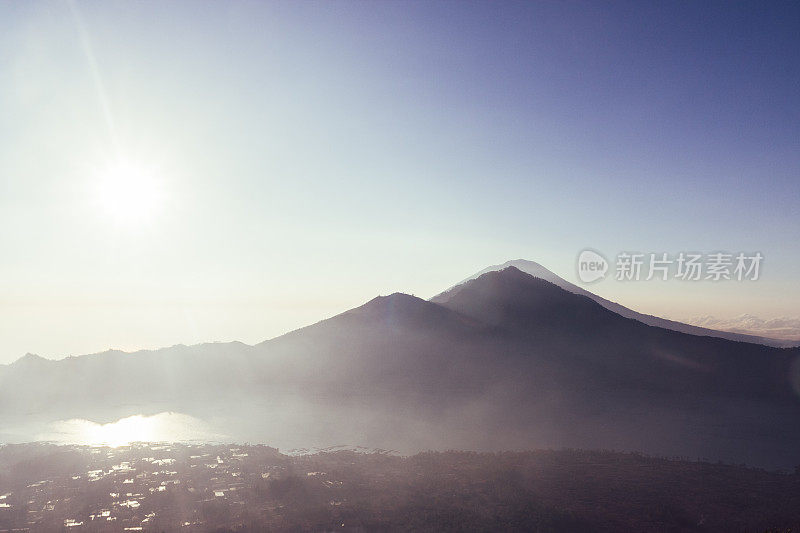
(307, 156)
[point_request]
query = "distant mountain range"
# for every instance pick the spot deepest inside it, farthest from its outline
(504, 360)
(786, 329)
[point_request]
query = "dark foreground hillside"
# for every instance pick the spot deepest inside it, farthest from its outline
(255, 488)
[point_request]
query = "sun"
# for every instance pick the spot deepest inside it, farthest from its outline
(129, 193)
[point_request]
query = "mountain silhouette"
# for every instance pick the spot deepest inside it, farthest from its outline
(540, 315)
(502, 361)
(537, 270)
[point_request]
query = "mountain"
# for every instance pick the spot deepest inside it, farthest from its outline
(503, 361)
(539, 314)
(102, 383)
(398, 342)
(732, 333)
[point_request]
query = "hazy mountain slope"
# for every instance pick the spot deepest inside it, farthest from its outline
(101, 384)
(537, 270)
(395, 342)
(615, 349)
(505, 361)
(519, 362)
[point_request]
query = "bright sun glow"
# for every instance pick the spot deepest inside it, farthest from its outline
(129, 193)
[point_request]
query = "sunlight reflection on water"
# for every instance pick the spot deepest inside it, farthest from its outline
(162, 427)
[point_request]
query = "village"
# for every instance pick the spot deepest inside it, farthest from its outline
(137, 488)
(224, 488)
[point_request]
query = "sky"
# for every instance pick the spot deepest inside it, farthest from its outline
(183, 172)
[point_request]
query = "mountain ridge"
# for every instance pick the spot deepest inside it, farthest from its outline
(506, 361)
(535, 269)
